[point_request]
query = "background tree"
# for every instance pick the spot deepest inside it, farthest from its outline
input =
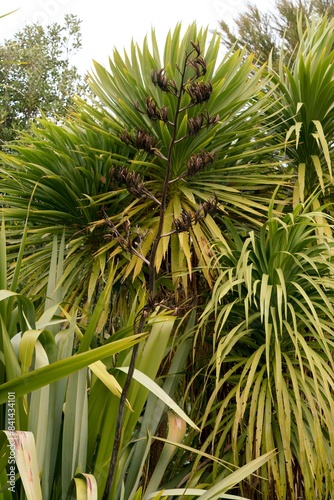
(304, 90)
(265, 32)
(36, 74)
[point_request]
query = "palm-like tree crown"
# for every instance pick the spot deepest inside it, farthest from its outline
(100, 175)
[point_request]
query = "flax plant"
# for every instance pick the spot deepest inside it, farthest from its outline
(270, 379)
(48, 382)
(304, 88)
(61, 392)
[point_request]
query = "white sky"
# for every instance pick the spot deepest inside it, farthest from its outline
(106, 25)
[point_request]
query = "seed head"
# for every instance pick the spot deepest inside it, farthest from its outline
(199, 92)
(195, 124)
(126, 137)
(196, 47)
(197, 162)
(143, 140)
(160, 79)
(183, 222)
(199, 65)
(154, 112)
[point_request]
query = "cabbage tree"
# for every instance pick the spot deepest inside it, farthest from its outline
(99, 176)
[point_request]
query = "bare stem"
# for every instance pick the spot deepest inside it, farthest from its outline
(152, 276)
(120, 416)
(152, 291)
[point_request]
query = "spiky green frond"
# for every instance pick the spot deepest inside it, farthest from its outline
(272, 312)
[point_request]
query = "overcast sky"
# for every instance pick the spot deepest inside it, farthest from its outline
(108, 24)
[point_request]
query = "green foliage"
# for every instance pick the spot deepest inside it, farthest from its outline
(68, 413)
(268, 33)
(139, 262)
(36, 76)
(88, 176)
(305, 93)
(39, 357)
(271, 374)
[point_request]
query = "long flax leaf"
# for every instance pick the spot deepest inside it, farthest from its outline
(38, 378)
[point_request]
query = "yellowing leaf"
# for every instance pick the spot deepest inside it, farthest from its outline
(22, 447)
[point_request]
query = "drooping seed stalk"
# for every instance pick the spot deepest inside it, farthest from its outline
(150, 305)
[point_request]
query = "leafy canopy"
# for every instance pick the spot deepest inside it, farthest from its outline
(104, 169)
(267, 33)
(36, 75)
